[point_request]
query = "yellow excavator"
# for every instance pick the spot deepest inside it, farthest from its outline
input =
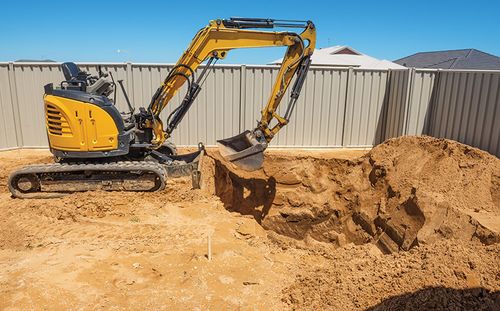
(98, 147)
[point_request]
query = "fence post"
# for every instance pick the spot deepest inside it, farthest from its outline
(14, 101)
(408, 102)
(384, 115)
(347, 104)
(430, 114)
(243, 96)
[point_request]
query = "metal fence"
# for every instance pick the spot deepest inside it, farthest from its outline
(337, 107)
(462, 105)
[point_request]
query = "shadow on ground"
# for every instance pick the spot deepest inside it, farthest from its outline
(247, 196)
(442, 298)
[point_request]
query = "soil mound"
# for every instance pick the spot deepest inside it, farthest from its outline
(447, 275)
(404, 192)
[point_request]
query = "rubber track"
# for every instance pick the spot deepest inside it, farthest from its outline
(123, 166)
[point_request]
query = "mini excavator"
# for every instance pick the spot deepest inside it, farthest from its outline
(97, 147)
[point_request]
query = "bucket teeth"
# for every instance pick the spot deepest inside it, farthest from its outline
(244, 150)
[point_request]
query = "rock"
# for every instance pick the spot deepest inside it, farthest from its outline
(285, 177)
(250, 228)
(280, 199)
(224, 279)
(341, 239)
(460, 274)
(374, 251)
(472, 264)
(295, 199)
(473, 280)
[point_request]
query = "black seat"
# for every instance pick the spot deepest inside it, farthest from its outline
(76, 79)
(72, 72)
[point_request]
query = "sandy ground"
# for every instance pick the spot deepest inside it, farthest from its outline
(411, 225)
(122, 250)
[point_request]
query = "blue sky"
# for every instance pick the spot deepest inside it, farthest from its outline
(159, 31)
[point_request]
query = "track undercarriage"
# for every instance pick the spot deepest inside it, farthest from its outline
(59, 179)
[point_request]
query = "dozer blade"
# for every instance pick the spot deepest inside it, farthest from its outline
(244, 150)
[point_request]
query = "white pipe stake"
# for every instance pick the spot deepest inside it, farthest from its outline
(209, 244)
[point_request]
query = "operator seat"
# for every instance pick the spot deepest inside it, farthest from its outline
(76, 79)
(72, 72)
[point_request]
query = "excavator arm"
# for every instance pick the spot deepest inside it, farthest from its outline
(212, 43)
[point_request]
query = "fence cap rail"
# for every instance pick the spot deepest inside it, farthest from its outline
(249, 66)
(167, 65)
(455, 70)
(56, 64)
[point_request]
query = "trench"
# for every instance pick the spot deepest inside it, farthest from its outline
(370, 199)
(331, 201)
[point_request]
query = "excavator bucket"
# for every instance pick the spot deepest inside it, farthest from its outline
(244, 150)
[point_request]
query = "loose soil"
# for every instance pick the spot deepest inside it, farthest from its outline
(411, 224)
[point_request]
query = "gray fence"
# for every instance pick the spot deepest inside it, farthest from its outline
(460, 105)
(337, 107)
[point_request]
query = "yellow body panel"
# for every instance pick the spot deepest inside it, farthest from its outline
(78, 126)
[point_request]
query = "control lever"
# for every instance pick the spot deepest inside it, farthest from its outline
(114, 87)
(126, 97)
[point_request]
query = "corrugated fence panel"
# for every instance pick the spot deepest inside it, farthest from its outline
(215, 114)
(144, 80)
(258, 85)
(337, 107)
(396, 103)
(467, 108)
(30, 80)
(226, 103)
(8, 127)
(318, 115)
(420, 99)
(328, 107)
(364, 107)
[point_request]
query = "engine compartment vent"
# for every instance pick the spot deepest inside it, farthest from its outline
(56, 122)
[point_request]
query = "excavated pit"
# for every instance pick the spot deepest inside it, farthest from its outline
(404, 192)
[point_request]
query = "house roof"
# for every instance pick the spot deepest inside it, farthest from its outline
(452, 59)
(345, 56)
(35, 61)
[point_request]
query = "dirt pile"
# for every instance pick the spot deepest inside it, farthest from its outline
(404, 192)
(447, 275)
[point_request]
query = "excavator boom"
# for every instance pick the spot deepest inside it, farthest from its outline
(214, 42)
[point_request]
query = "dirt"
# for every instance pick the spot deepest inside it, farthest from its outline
(134, 251)
(403, 193)
(411, 224)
